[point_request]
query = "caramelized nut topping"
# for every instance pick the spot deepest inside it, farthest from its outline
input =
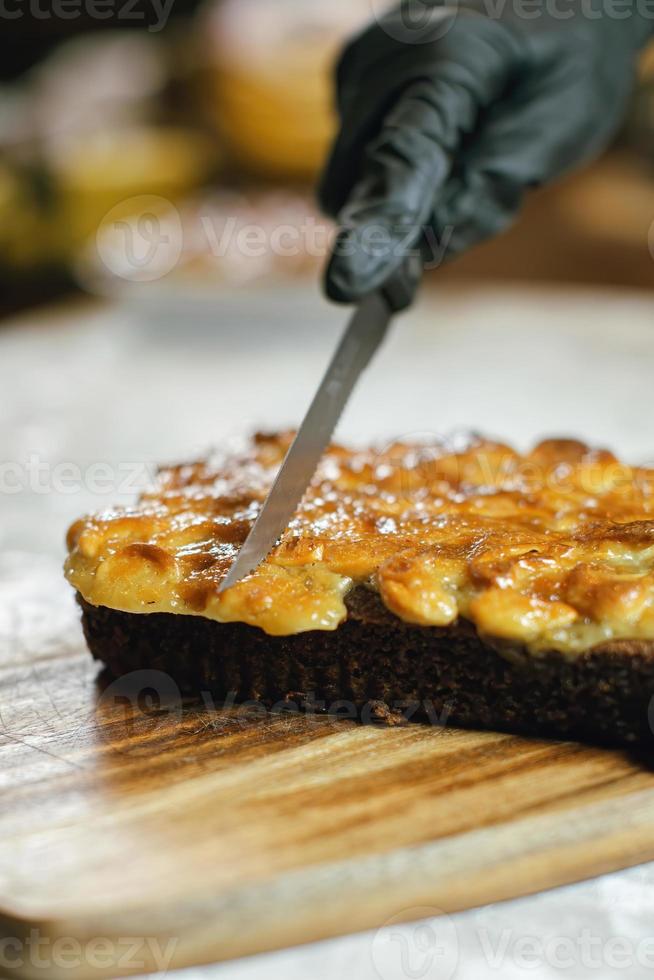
(551, 550)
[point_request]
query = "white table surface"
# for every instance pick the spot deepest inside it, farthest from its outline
(92, 396)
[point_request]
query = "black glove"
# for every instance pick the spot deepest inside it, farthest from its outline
(449, 113)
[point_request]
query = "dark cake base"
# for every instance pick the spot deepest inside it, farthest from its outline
(376, 667)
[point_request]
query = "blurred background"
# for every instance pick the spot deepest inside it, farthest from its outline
(109, 110)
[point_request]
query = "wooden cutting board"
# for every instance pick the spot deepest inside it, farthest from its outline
(137, 832)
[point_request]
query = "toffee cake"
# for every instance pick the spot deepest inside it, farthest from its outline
(470, 584)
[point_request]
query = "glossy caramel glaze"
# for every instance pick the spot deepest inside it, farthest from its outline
(552, 550)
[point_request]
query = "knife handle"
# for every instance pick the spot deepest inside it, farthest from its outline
(400, 289)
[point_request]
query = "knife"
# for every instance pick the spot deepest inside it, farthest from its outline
(363, 335)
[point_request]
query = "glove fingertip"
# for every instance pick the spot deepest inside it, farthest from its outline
(345, 283)
(340, 284)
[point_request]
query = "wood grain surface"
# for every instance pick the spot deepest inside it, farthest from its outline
(137, 831)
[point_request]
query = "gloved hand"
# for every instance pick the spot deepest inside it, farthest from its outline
(449, 113)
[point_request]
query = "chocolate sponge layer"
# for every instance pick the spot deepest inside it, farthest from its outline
(381, 668)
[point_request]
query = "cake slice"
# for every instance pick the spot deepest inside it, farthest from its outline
(463, 583)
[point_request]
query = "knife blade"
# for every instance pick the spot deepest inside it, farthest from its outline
(362, 337)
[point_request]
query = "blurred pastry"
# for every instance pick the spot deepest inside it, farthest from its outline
(96, 173)
(269, 80)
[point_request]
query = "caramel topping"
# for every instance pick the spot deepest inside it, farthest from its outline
(549, 550)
